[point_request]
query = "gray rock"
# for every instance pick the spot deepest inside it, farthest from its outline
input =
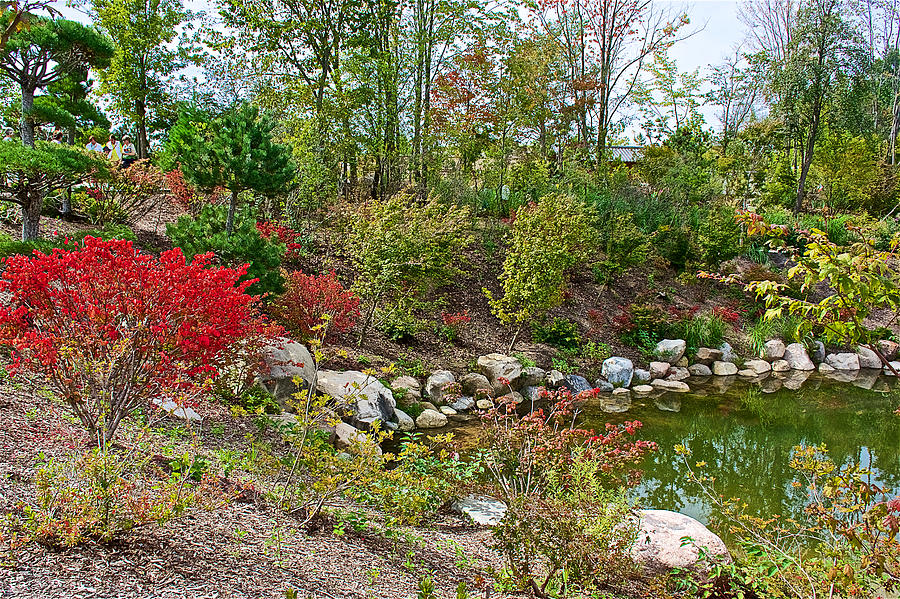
(604, 386)
(773, 350)
(484, 404)
(436, 386)
(889, 349)
(447, 411)
(683, 362)
(728, 354)
(515, 397)
(532, 394)
(747, 373)
(364, 395)
(500, 366)
(473, 383)
(533, 376)
(555, 379)
(484, 511)
(868, 359)
(659, 547)
(844, 361)
(621, 391)
(781, 366)
(724, 368)
(758, 366)
(431, 419)
(659, 370)
(643, 389)
(407, 387)
(576, 384)
(286, 362)
(670, 350)
(817, 353)
(676, 386)
(677, 373)
(707, 356)
(641, 376)
(463, 404)
(797, 358)
(405, 423)
(699, 370)
(826, 368)
(618, 371)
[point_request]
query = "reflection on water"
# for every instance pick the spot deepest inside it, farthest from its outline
(745, 432)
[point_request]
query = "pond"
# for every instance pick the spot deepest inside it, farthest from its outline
(745, 432)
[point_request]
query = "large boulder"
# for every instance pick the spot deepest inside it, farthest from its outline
(500, 366)
(659, 548)
(707, 356)
(405, 422)
(757, 366)
(868, 358)
(797, 358)
(618, 371)
(677, 373)
(287, 362)
(366, 399)
(431, 419)
(773, 350)
(670, 350)
(436, 386)
(724, 368)
(844, 361)
(348, 437)
(728, 353)
(641, 376)
(475, 384)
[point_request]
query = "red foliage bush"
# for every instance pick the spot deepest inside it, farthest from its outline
(186, 196)
(293, 240)
(113, 328)
(309, 298)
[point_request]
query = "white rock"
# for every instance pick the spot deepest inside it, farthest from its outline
(773, 350)
(676, 386)
(484, 404)
(699, 370)
(748, 373)
(407, 386)
(797, 358)
(533, 376)
(618, 371)
(348, 437)
(286, 362)
(475, 383)
(447, 411)
(484, 511)
(707, 356)
(641, 376)
(621, 391)
(555, 379)
(643, 389)
(824, 368)
(178, 411)
(436, 386)
(659, 370)
(431, 419)
(659, 547)
(677, 373)
(724, 368)
(758, 366)
(670, 350)
(896, 366)
(728, 354)
(844, 361)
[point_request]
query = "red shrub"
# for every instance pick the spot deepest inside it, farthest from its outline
(293, 240)
(309, 298)
(728, 315)
(186, 196)
(113, 328)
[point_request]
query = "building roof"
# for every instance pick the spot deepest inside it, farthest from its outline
(625, 153)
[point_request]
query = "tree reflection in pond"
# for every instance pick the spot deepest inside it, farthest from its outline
(746, 437)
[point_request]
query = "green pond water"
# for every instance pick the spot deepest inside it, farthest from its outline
(745, 432)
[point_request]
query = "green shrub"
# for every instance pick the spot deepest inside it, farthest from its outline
(206, 233)
(258, 400)
(700, 330)
(560, 332)
(548, 239)
(624, 246)
(719, 237)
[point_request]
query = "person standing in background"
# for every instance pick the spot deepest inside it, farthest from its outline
(113, 149)
(129, 153)
(93, 146)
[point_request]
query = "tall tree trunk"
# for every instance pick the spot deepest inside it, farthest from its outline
(31, 216)
(232, 207)
(807, 157)
(26, 126)
(143, 149)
